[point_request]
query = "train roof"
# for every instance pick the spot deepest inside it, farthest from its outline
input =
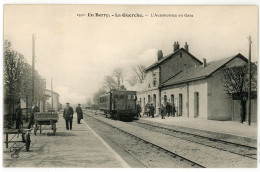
(117, 91)
(122, 91)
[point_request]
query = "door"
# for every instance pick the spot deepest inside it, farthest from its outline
(196, 104)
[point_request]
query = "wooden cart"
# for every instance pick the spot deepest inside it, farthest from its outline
(46, 119)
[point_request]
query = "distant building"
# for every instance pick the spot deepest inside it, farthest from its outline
(56, 104)
(194, 87)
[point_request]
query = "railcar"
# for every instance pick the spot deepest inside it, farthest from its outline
(119, 104)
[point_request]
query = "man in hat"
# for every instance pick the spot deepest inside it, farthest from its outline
(68, 116)
(79, 113)
(34, 109)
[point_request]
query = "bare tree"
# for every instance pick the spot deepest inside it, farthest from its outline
(235, 81)
(139, 72)
(119, 75)
(110, 82)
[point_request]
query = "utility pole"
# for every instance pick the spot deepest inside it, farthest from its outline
(249, 84)
(51, 95)
(33, 65)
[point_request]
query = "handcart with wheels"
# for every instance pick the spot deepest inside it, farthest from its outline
(17, 138)
(45, 119)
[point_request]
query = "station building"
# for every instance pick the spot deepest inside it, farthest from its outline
(194, 87)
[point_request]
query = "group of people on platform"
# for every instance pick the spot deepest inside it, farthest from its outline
(18, 115)
(67, 115)
(149, 110)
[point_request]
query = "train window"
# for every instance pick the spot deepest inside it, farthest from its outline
(129, 97)
(121, 96)
(116, 96)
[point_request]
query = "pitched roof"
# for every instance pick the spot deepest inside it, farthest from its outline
(166, 57)
(200, 72)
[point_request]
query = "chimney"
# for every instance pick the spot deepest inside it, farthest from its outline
(160, 54)
(176, 46)
(186, 47)
(204, 62)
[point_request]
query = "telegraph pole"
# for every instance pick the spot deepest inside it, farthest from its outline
(249, 84)
(33, 65)
(51, 95)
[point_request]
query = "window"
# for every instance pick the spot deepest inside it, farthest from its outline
(116, 96)
(180, 54)
(154, 79)
(154, 82)
(133, 97)
(121, 96)
(196, 104)
(129, 97)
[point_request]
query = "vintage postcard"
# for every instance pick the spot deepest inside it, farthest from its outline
(130, 86)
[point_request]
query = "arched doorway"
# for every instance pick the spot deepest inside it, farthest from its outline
(196, 104)
(172, 99)
(180, 105)
(164, 100)
(154, 102)
(149, 99)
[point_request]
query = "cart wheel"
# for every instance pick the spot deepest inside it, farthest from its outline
(27, 141)
(35, 128)
(54, 128)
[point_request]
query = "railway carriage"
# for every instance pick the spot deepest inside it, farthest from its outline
(119, 104)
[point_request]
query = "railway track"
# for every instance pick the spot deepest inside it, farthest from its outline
(242, 150)
(238, 149)
(147, 153)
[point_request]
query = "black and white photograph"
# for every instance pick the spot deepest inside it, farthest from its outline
(130, 86)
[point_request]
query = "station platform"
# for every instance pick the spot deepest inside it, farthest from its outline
(231, 131)
(80, 147)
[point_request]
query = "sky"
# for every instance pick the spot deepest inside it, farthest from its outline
(77, 52)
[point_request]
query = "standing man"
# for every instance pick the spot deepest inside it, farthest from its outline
(79, 113)
(163, 111)
(152, 110)
(167, 109)
(173, 109)
(35, 109)
(18, 115)
(139, 109)
(68, 116)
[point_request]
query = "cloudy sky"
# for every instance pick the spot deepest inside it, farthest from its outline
(78, 51)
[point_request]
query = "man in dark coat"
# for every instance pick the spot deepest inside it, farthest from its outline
(152, 110)
(168, 109)
(173, 110)
(68, 116)
(18, 117)
(79, 113)
(35, 109)
(163, 111)
(139, 109)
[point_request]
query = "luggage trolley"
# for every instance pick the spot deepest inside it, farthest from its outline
(46, 119)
